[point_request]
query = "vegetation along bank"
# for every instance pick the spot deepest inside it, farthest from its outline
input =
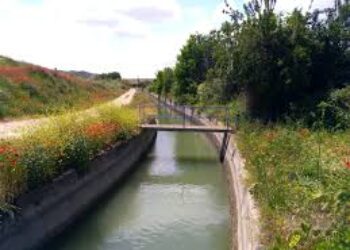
(67, 163)
(286, 79)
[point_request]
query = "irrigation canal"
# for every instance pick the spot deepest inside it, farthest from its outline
(176, 199)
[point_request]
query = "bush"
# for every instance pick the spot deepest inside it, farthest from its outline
(3, 111)
(335, 111)
(76, 153)
(109, 76)
(3, 106)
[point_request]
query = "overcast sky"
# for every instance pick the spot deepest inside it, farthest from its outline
(134, 37)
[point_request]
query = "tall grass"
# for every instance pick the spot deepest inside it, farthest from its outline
(146, 107)
(65, 142)
(301, 181)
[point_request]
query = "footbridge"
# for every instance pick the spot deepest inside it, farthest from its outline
(187, 128)
(171, 117)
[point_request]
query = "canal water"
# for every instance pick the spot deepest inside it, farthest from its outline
(176, 199)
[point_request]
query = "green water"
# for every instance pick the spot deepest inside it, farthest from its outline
(176, 199)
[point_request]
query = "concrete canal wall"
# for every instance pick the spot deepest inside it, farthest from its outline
(244, 213)
(48, 211)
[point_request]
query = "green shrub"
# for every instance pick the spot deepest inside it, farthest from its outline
(3, 111)
(76, 153)
(335, 111)
(39, 165)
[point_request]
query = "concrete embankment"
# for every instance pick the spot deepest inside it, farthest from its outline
(49, 210)
(244, 213)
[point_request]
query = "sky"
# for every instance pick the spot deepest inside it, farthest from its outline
(134, 37)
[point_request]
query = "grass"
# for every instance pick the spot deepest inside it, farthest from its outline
(145, 106)
(27, 90)
(301, 181)
(67, 141)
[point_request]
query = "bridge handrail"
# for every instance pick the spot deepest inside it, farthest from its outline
(188, 106)
(187, 112)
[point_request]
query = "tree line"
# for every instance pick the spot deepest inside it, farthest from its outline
(109, 76)
(293, 65)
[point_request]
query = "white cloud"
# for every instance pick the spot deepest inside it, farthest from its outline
(213, 19)
(290, 5)
(93, 35)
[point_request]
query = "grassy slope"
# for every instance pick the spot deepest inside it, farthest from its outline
(26, 89)
(301, 181)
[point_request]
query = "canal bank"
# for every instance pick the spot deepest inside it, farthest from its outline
(47, 211)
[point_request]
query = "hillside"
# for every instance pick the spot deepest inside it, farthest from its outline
(27, 89)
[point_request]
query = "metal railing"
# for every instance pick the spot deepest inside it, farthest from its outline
(166, 112)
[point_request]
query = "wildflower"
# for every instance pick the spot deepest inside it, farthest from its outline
(17, 74)
(295, 239)
(100, 129)
(347, 163)
(2, 150)
(13, 162)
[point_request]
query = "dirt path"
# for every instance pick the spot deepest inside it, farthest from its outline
(14, 128)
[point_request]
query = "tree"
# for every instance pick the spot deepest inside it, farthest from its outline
(284, 64)
(168, 81)
(286, 61)
(109, 76)
(163, 83)
(193, 63)
(158, 84)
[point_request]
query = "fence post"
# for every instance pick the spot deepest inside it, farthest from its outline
(139, 113)
(227, 115)
(184, 116)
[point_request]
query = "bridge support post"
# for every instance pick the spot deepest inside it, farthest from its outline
(224, 145)
(140, 118)
(184, 116)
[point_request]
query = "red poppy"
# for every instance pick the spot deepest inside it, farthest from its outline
(2, 150)
(100, 129)
(8, 156)
(17, 74)
(347, 164)
(13, 162)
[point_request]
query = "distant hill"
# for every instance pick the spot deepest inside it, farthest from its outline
(27, 89)
(83, 74)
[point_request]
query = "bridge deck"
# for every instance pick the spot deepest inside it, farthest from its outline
(189, 128)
